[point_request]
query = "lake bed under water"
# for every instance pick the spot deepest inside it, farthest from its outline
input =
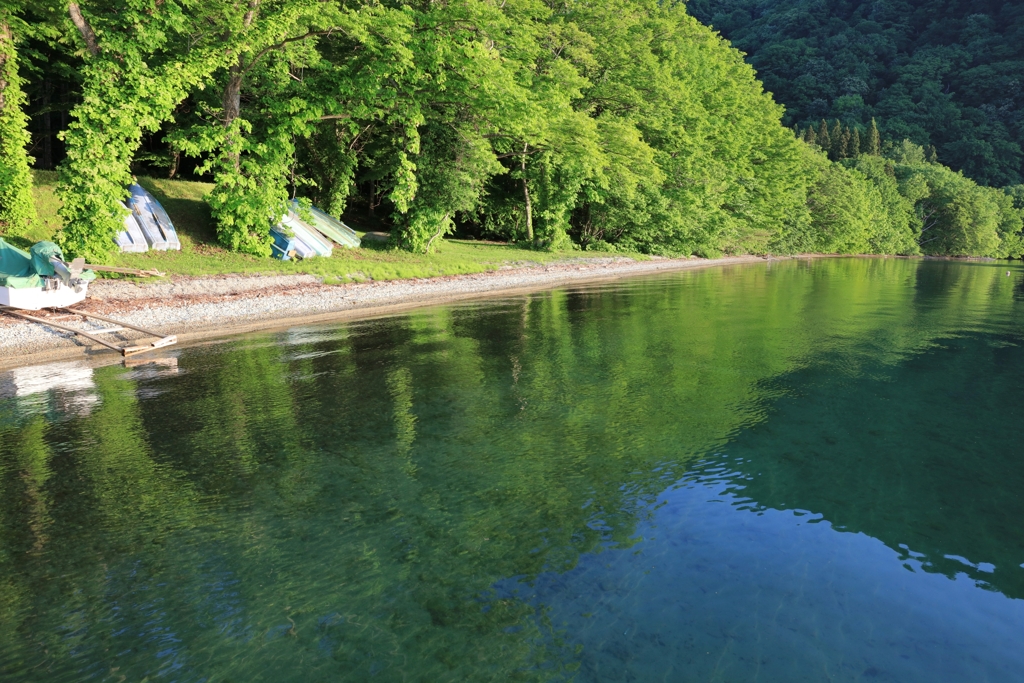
(795, 471)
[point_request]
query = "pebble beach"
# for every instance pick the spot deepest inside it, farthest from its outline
(208, 307)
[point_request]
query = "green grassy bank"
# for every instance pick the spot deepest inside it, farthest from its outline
(201, 254)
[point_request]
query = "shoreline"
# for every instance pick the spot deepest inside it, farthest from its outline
(197, 309)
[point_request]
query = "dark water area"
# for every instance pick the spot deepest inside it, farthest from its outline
(796, 471)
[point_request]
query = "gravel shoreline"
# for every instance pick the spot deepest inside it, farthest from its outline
(200, 308)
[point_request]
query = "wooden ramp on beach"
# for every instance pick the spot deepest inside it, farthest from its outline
(94, 335)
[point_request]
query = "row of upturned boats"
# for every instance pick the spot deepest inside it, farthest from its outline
(303, 232)
(40, 278)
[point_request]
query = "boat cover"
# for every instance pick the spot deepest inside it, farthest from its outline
(25, 269)
(16, 269)
(41, 253)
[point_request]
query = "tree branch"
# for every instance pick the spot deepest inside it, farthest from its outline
(438, 234)
(88, 35)
(278, 46)
(518, 154)
(356, 138)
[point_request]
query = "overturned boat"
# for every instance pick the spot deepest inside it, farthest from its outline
(296, 237)
(331, 227)
(131, 240)
(147, 226)
(153, 220)
(39, 278)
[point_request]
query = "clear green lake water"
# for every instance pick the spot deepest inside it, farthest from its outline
(793, 471)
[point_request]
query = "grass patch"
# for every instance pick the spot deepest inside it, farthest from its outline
(201, 254)
(47, 220)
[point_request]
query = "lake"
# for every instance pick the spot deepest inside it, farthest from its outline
(795, 471)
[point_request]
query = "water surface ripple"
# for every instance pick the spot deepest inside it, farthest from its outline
(796, 471)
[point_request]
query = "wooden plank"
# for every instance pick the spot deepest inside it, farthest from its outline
(126, 271)
(158, 344)
(41, 321)
(115, 322)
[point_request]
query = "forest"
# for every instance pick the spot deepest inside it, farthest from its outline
(624, 125)
(946, 74)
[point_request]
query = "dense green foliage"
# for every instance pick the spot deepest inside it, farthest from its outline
(622, 125)
(16, 208)
(946, 74)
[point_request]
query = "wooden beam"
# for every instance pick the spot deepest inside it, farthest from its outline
(111, 320)
(41, 321)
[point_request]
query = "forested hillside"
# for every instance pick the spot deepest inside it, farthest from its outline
(947, 73)
(619, 125)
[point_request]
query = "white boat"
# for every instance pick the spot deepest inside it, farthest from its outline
(153, 220)
(131, 238)
(320, 245)
(138, 201)
(39, 279)
(164, 221)
(53, 294)
(330, 227)
(287, 245)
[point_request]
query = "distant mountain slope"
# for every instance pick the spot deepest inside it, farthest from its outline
(948, 73)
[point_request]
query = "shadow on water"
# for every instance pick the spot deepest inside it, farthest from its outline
(475, 492)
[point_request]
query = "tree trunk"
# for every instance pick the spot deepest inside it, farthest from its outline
(47, 160)
(232, 102)
(175, 161)
(64, 104)
(88, 35)
(526, 195)
(233, 93)
(233, 107)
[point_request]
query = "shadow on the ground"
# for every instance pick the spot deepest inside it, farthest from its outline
(190, 215)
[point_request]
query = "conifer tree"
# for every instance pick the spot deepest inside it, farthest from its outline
(854, 143)
(874, 141)
(931, 154)
(836, 137)
(824, 141)
(810, 137)
(845, 144)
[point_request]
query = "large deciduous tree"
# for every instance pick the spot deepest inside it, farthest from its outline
(17, 211)
(140, 62)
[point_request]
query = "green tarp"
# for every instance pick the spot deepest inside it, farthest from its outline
(21, 269)
(16, 269)
(41, 253)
